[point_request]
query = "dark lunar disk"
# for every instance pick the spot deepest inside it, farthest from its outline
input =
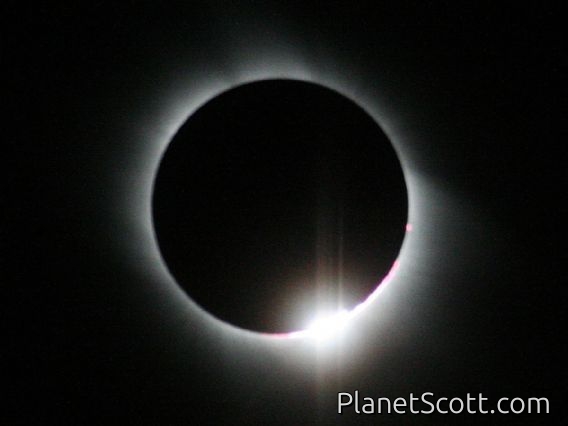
(276, 200)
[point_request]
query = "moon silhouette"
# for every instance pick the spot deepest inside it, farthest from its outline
(277, 199)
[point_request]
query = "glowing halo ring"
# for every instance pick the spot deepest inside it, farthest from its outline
(153, 161)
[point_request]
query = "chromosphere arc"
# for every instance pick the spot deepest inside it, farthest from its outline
(276, 200)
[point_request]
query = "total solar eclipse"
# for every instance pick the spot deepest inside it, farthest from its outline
(278, 199)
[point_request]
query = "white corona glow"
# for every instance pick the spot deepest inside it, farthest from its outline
(185, 96)
(322, 328)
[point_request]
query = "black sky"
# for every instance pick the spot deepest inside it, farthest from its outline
(91, 338)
